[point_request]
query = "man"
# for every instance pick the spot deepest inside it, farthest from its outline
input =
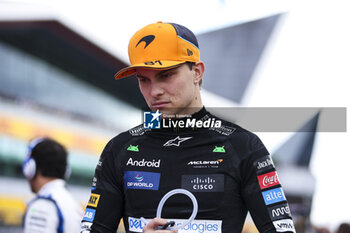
(53, 209)
(227, 168)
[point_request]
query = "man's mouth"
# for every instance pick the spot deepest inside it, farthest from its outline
(160, 104)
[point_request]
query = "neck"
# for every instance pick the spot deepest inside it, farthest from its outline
(39, 181)
(195, 105)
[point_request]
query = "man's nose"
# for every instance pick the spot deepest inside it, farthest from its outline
(156, 89)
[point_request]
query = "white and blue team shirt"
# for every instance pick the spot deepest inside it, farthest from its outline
(53, 210)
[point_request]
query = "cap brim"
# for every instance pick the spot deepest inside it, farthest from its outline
(158, 65)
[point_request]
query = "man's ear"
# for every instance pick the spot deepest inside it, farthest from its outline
(199, 71)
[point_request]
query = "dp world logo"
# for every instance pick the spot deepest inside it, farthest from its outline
(151, 120)
(139, 178)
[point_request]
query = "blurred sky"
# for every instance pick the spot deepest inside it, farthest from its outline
(111, 23)
(312, 42)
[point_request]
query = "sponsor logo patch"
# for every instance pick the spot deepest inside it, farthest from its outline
(279, 211)
(205, 163)
(135, 224)
(138, 130)
(89, 215)
(141, 180)
(176, 141)
(133, 148)
(99, 164)
(202, 226)
(203, 183)
(264, 164)
(268, 180)
(196, 226)
(273, 196)
(284, 225)
(94, 198)
(143, 163)
(219, 149)
(189, 52)
(94, 181)
(147, 39)
(224, 130)
(85, 226)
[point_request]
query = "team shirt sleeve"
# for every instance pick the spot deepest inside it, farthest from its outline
(263, 193)
(105, 207)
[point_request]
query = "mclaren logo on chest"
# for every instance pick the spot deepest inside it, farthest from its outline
(176, 141)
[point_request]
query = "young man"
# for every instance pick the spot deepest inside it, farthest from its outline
(53, 209)
(225, 167)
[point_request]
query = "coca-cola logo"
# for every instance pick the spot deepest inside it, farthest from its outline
(268, 180)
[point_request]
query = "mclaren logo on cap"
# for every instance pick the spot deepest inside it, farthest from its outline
(147, 39)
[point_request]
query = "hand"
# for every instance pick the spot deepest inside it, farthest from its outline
(153, 224)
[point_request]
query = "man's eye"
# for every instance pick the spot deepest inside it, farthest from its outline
(166, 75)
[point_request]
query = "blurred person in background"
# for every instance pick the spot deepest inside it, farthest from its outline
(53, 209)
(344, 228)
(228, 168)
(321, 230)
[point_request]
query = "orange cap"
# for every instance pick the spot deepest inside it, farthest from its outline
(161, 46)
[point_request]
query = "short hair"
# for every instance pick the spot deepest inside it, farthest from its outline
(344, 228)
(50, 158)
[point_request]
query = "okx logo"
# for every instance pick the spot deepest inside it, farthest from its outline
(151, 120)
